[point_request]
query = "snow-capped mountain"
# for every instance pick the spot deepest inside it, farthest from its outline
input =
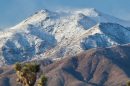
(53, 35)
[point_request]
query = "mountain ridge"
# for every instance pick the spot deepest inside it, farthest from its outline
(54, 35)
(95, 67)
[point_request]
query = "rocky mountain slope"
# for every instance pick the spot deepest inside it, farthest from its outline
(95, 67)
(54, 35)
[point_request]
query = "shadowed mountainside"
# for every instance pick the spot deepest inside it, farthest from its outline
(95, 67)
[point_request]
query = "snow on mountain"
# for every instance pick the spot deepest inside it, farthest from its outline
(49, 34)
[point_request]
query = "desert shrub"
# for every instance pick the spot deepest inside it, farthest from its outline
(33, 67)
(27, 73)
(42, 81)
(17, 66)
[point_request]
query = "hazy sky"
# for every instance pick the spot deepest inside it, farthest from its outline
(14, 11)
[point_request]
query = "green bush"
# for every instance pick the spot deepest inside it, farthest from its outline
(27, 73)
(33, 67)
(42, 81)
(17, 66)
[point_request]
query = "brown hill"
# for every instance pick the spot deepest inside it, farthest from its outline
(95, 67)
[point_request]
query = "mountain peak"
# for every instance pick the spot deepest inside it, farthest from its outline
(42, 11)
(88, 12)
(53, 35)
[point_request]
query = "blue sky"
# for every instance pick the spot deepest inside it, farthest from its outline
(14, 11)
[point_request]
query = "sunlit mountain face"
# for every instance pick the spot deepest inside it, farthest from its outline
(54, 35)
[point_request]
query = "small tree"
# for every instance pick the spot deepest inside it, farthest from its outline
(17, 66)
(33, 67)
(27, 73)
(42, 81)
